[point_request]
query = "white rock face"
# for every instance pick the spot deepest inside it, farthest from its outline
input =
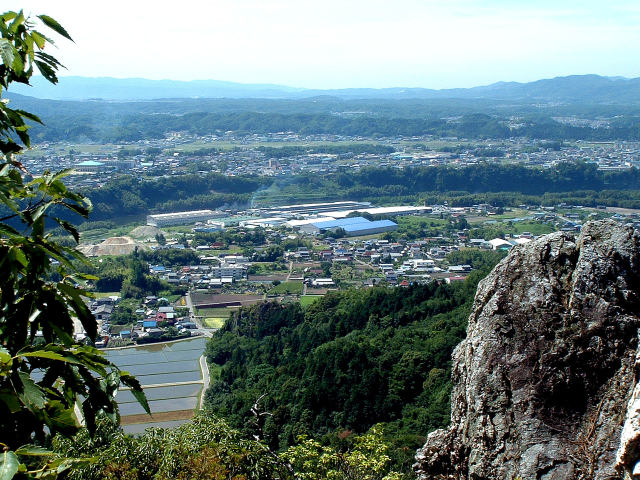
(629, 451)
(547, 374)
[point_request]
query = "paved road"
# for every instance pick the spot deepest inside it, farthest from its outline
(207, 332)
(192, 310)
(206, 377)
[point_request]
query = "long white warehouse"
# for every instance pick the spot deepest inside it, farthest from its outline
(181, 218)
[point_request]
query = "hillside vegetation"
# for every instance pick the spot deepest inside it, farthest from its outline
(344, 363)
(576, 182)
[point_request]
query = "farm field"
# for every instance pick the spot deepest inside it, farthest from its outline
(215, 312)
(294, 288)
(215, 322)
(205, 301)
(171, 377)
(308, 299)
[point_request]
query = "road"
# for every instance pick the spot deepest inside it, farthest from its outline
(192, 313)
(368, 265)
(206, 377)
(192, 310)
(290, 270)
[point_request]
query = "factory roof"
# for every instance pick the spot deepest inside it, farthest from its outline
(355, 227)
(381, 210)
(181, 214)
(343, 222)
(307, 221)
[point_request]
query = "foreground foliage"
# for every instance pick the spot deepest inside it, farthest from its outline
(207, 448)
(49, 382)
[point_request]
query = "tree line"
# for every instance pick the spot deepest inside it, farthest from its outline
(130, 127)
(501, 185)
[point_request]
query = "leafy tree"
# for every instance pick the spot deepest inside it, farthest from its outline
(205, 448)
(49, 382)
(160, 238)
(367, 460)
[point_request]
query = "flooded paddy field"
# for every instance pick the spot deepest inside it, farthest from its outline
(172, 379)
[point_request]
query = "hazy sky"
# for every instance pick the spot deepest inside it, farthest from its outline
(347, 43)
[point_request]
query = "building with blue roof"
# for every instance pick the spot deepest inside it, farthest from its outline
(341, 222)
(89, 166)
(370, 228)
(352, 226)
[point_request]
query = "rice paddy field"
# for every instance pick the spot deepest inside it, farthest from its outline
(172, 379)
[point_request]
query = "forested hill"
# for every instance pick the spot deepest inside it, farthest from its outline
(503, 110)
(128, 196)
(574, 88)
(348, 361)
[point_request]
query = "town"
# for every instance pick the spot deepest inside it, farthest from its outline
(298, 253)
(285, 154)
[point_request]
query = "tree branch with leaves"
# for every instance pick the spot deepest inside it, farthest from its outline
(50, 383)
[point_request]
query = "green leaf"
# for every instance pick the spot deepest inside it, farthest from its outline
(7, 52)
(84, 314)
(46, 71)
(55, 26)
(69, 228)
(8, 16)
(50, 355)
(9, 465)
(19, 20)
(31, 394)
(63, 419)
(40, 39)
(30, 116)
(17, 255)
(80, 210)
(34, 450)
(136, 389)
(5, 356)
(9, 231)
(11, 401)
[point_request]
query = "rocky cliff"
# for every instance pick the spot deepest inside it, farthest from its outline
(545, 382)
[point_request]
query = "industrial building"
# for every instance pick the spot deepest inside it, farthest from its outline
(352, 226)
(209, 227)
(307, 221)
(181, 218)
(330, 225)
(395, 211)
(370, 228)
(312, 208)
(263, 222)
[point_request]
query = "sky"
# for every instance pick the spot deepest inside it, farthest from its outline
(346, 43)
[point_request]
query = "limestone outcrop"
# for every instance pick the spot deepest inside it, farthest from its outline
(545, 384)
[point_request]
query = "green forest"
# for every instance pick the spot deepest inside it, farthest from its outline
(501, 185)
(346, 362)
(125, 122)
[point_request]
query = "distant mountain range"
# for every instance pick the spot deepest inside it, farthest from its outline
(592, 89)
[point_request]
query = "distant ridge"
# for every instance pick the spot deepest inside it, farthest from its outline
(574, 88)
